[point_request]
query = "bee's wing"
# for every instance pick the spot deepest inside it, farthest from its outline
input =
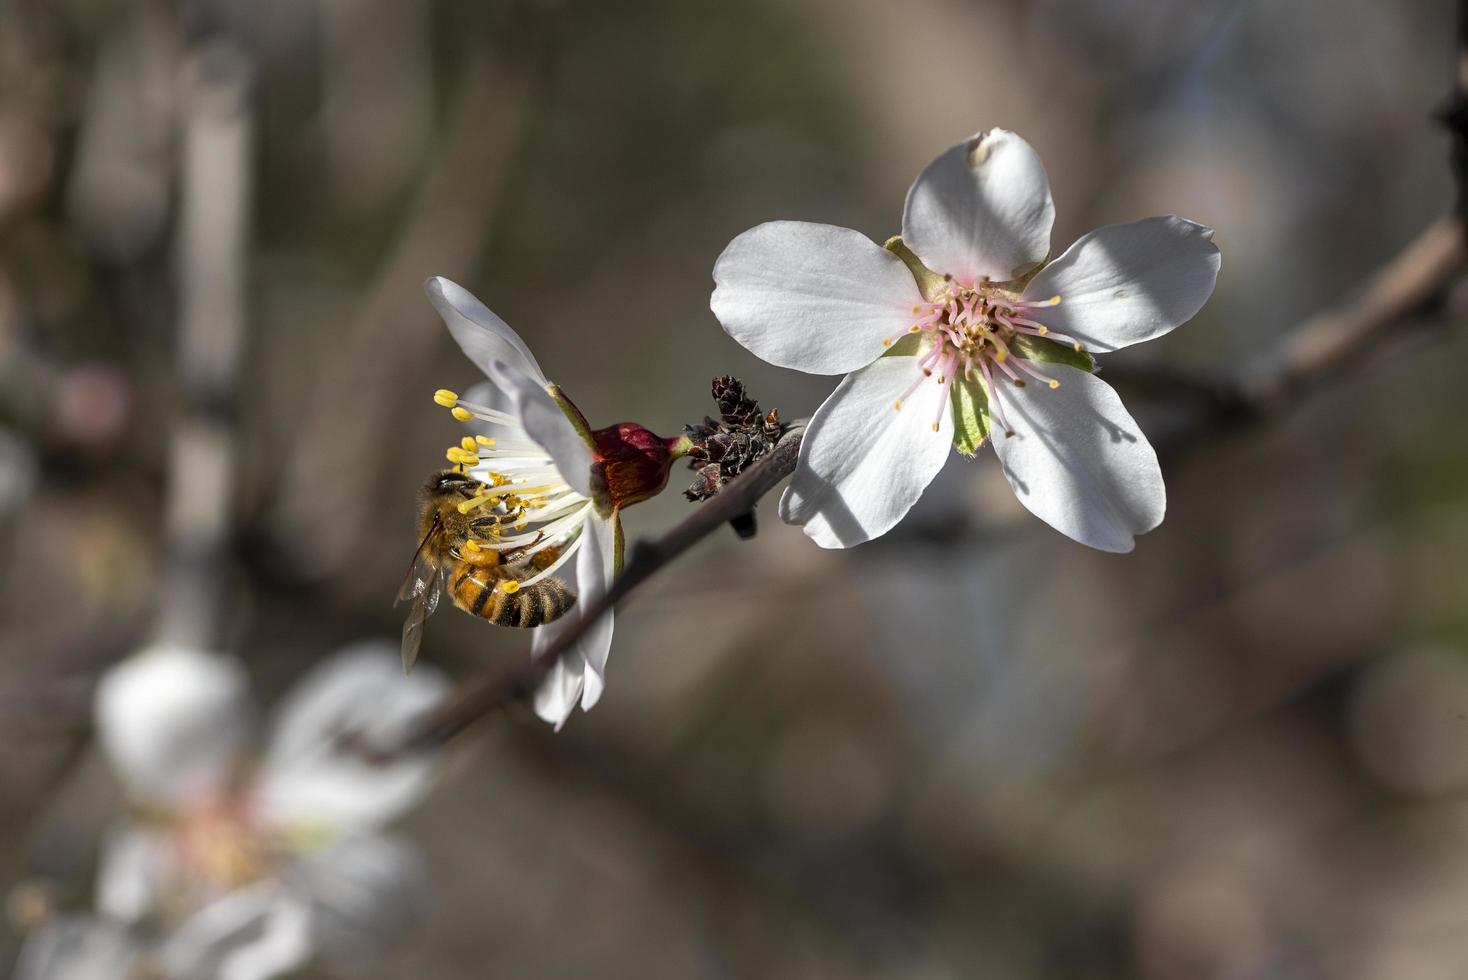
(423, 585)
(421, 567)
(424, 600)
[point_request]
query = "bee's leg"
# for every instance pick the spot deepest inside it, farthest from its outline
(519, 552)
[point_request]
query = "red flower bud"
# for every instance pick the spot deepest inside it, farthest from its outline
(632, 463)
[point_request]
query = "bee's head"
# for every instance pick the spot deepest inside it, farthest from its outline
(452, 481)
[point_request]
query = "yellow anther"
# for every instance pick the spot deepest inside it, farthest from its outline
(484, 440)
(886, 342)
(1052, 301)
(509, 586)
(1000, 356)
(935, 426)
(469, 445)
(1080, 347)
(914, 328)
(1043, 330)
(942, 380)
(1054, 384)
(897, 406)
(454, 455)
(446, 398)
(471, 547)
(917, 309)
(461, 413)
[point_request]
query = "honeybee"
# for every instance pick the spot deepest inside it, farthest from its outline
(483, 582)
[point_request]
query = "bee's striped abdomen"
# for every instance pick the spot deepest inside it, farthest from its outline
(476, 591)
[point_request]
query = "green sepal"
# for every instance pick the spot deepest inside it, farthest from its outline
(970, 415)
(573, 414)
(1033, 348)
(929, 283)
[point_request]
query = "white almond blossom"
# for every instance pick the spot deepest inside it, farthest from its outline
(528, 447)
(248, 869)
(959, 324)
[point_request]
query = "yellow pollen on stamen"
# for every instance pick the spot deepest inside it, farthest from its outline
(935, 426)
(1043, 331)
(897, 406)
(461, 413)
(1080, 347)
(508, 586)
(886, 342)
(446, 398)
(469, 445)
(1052, 301)
(1054, 384)
(914, 328)
(473, 502)
(1000, 356)
(917, 309)
(484, 440)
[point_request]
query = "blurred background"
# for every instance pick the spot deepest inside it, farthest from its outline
(971, 749)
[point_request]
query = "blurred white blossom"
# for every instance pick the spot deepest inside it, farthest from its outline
(249, 868)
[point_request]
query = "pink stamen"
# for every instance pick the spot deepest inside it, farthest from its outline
(950, 364)
(995, 405)
(1025, 366)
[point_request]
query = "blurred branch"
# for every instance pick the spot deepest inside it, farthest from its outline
(498, 688)
(1411, 287)
(213, 237)
(390, 336)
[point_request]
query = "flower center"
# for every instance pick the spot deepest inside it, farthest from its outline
(976, 332)
(522, 502)
(222, 845)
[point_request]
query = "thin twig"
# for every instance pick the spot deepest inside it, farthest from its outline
(1410, 286)
(481, 697)
(213, 253)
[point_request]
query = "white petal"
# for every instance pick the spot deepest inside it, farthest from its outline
(78, 948)
(133, 872)
(595, 567)
(367, 893)
(484, 337)
(253, 933)
(172, 722)
(981, 210)
(547, 425)
(1123, 284)
(558, 694)
(815, 298)
(1079, 462)
(310, 775)
(863, 464)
